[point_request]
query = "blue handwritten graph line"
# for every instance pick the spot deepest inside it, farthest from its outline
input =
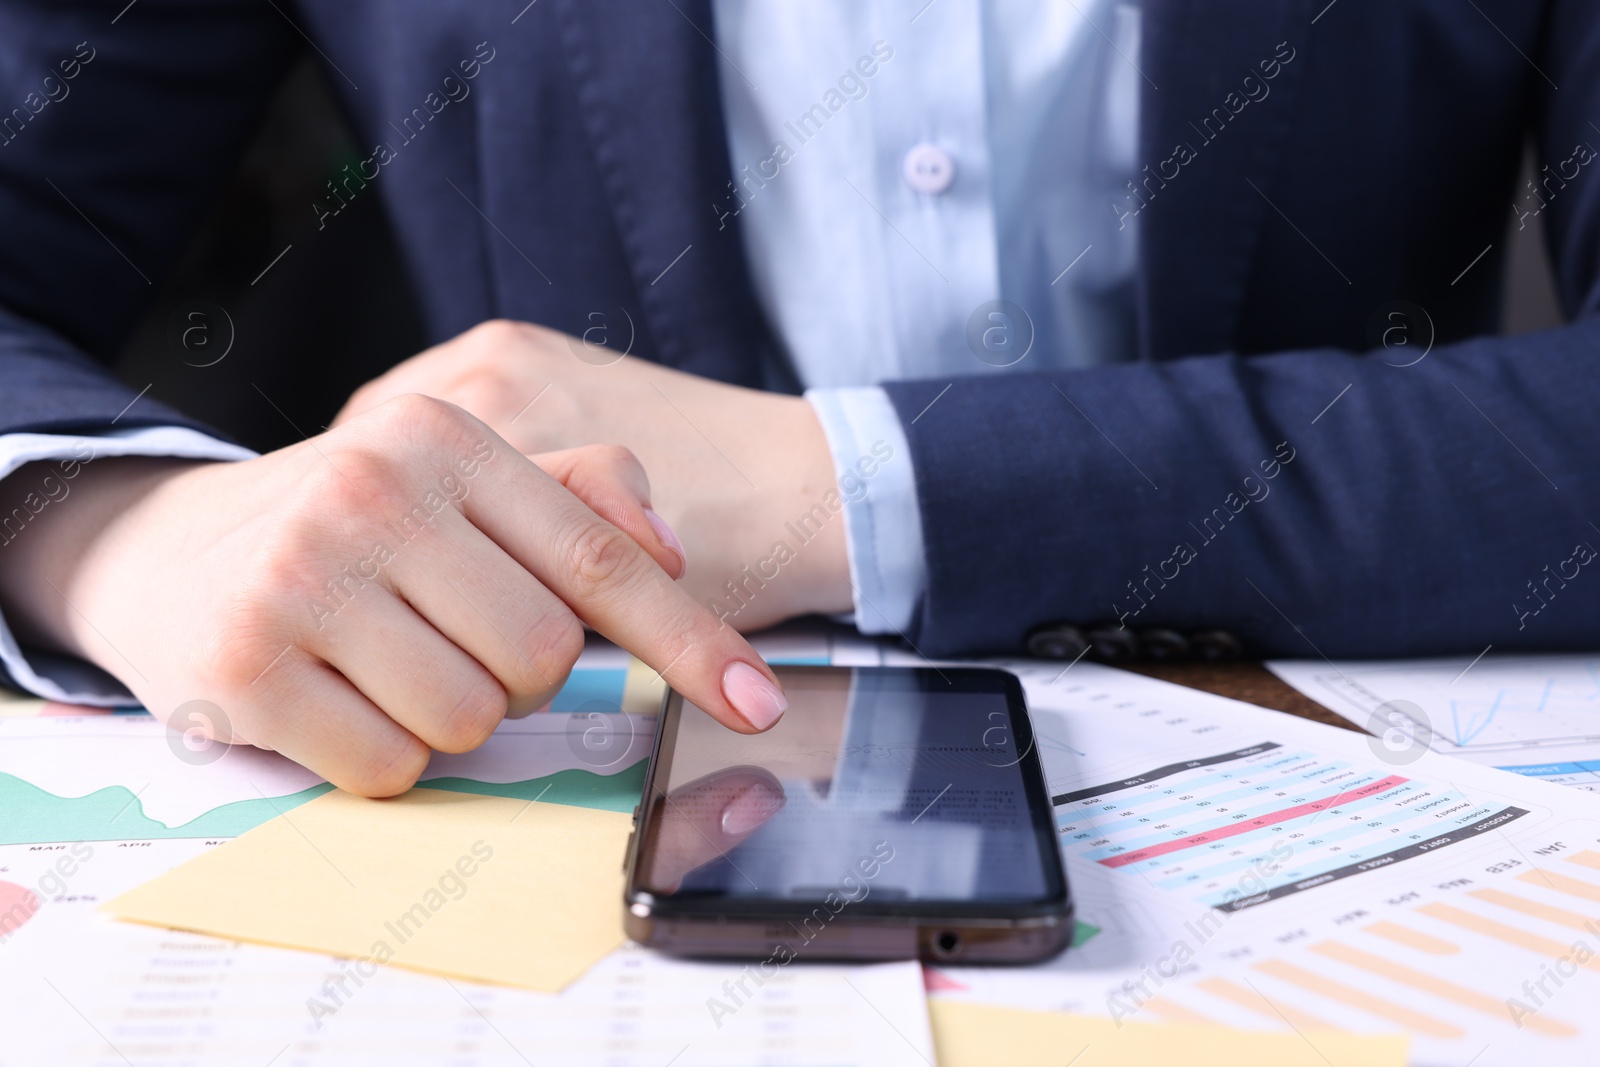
(1479, 719)
(1475, 726)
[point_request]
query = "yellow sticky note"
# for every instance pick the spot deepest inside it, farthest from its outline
(484, 888)
(642, 689)
(975, 1035)
(12, 705)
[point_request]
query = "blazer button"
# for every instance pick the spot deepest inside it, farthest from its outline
(1215, 646)
(1057, 640)
(1161, 645)
(1111, 643)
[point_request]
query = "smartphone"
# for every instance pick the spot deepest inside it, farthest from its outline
(892, 813)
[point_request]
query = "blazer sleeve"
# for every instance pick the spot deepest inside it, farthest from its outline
(118, 125)
(1314, 503)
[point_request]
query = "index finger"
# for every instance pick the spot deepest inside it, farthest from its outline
(617, 589)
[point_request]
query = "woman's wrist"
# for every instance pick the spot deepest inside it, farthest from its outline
(812, 515)
(77, 513)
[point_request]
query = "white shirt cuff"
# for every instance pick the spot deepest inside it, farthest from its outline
(65, 678)
(872, 463)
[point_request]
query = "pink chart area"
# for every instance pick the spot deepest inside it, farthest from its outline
(17, 905)
(1247, 825)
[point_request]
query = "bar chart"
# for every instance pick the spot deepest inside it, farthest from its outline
(1252, 870)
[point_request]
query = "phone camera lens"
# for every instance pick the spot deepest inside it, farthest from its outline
(947, 944)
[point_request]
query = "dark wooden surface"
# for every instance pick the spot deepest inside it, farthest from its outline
(1250, 682)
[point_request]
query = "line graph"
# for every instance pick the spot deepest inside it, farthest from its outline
(1534, 715)
(1504, 703)
(1569, 702)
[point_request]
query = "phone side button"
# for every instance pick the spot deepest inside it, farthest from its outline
(628, 851)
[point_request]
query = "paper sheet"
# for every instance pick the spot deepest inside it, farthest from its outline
(516, 892)
(1240, 867)
(1469, 946)
(96, 992)
(1537, 716)
(978, 1035)
(92, 805)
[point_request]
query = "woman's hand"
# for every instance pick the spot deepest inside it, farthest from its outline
(737, 472)
(394, 585)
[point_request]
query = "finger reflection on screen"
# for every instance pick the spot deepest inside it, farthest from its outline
(705, 819)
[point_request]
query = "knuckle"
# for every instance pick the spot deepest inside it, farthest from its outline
(696, 627)
(303, 570)
(552, 645)
(601, 556)
(682, 652)
(355, 481)
(478, 710)
(497, 333)
(694, 635)
(422, 421)
(248, 637)
(386, 773)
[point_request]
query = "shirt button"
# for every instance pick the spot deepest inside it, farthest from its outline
(929, 169)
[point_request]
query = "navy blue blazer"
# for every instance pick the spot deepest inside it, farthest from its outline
(1253, 472)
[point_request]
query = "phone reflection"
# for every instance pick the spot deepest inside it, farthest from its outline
(865, 765)
(706, 819)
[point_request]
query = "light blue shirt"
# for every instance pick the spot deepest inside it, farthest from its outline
(926, 190)
(937, 156)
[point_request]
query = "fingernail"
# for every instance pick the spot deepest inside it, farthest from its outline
(758, 803)
(668, 538)
(753, 695)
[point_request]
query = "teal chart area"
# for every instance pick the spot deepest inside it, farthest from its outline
(121, 777)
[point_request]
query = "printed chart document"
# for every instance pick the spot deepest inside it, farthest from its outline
(1231, 866)
(94, 804)
(1537, 716)
(1236, 865)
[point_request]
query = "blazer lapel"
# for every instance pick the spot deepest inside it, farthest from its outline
(648, 81)
(1199, 226)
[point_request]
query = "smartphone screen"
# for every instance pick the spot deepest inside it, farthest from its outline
(899, 790)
